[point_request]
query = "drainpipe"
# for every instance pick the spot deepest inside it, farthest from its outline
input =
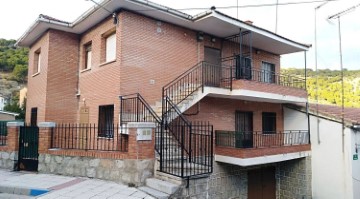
(307, 102)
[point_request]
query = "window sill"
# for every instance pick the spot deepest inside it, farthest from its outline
(36, 74)
(108, 62)
(84, 70)
(105, 138)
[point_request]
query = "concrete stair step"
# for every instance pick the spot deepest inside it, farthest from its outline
(161, 185)
(154, 193)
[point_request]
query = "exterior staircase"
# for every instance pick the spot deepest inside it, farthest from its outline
(184, 148)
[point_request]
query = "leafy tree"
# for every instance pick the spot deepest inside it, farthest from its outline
(329, 85)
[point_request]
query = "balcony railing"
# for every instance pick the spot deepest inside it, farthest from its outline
(245, 70)
(257, 139)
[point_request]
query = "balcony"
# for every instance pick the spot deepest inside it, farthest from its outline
(247, 83)
(253, 148)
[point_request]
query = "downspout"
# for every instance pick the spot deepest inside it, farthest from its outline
(307, 101)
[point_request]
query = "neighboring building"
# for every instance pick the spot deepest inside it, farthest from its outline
(7, 116)
(334, 154)
(209, 67)
(22, 96)
(3, 102)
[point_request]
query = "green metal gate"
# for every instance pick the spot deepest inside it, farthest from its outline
(28, 148)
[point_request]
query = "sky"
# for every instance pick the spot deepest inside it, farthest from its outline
(295, 21)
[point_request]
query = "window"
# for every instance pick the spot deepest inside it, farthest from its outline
(33, 117)
(110, 48)
(106, 121)
(243, 68)
(269, 122)
(268, 72)
(37, 61)
(88, 56)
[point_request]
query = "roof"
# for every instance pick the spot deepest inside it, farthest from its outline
(351, 115)
(211, 22)
(9, 113)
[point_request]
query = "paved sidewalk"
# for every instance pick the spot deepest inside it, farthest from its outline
(62, 187)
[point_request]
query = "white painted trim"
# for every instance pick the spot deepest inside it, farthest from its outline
(262, 159)
(261, 32)
(14, 124)
(254, 95)
(140, 125)
(47, 124)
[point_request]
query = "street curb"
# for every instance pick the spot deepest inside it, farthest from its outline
(22, 190)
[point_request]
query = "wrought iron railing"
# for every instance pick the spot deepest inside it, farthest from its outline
(134, 108)
(200, 75)
(258, 139)
(244, 70)
(3, 133)
(88, 137)
(186, 147)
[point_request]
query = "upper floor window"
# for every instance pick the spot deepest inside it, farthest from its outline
(110, 47)
(37, 61)
(88, 55)
(268, 72)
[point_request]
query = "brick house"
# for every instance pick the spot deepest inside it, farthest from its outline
(209, 82)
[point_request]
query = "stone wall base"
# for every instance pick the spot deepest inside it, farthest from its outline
(8, 160)
(127, 171)
(293, 181)
(227, 181)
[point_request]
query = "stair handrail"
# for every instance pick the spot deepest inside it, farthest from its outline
(144, 102)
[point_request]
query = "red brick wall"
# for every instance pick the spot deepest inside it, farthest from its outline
(154, 50)
(53, 89)
(100, 85)
(250, 153)
(150, 54)
(61, 101)
(220, 112)
(269, 88)
(37, 84)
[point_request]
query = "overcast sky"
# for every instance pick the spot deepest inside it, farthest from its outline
(295, 22)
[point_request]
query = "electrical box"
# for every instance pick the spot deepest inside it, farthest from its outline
(144, 134)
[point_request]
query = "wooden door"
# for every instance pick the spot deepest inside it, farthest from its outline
(262, 183)
(211, 68)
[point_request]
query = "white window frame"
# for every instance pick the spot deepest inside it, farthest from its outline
(88, 56)
(37, 61)
(110, 47)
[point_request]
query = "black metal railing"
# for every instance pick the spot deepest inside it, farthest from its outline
(88, 137)
(3, 133)
(200, 75)
(257, 139)
(186, 147)
(134, 108)
(242, 68)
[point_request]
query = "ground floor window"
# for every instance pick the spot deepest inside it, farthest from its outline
(106, 121)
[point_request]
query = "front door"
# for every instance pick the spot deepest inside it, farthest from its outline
(243, 129)
(28, 148)
(262, 183)
(212, 66)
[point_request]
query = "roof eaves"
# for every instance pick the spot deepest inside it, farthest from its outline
(306, 46)
(9, 113)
